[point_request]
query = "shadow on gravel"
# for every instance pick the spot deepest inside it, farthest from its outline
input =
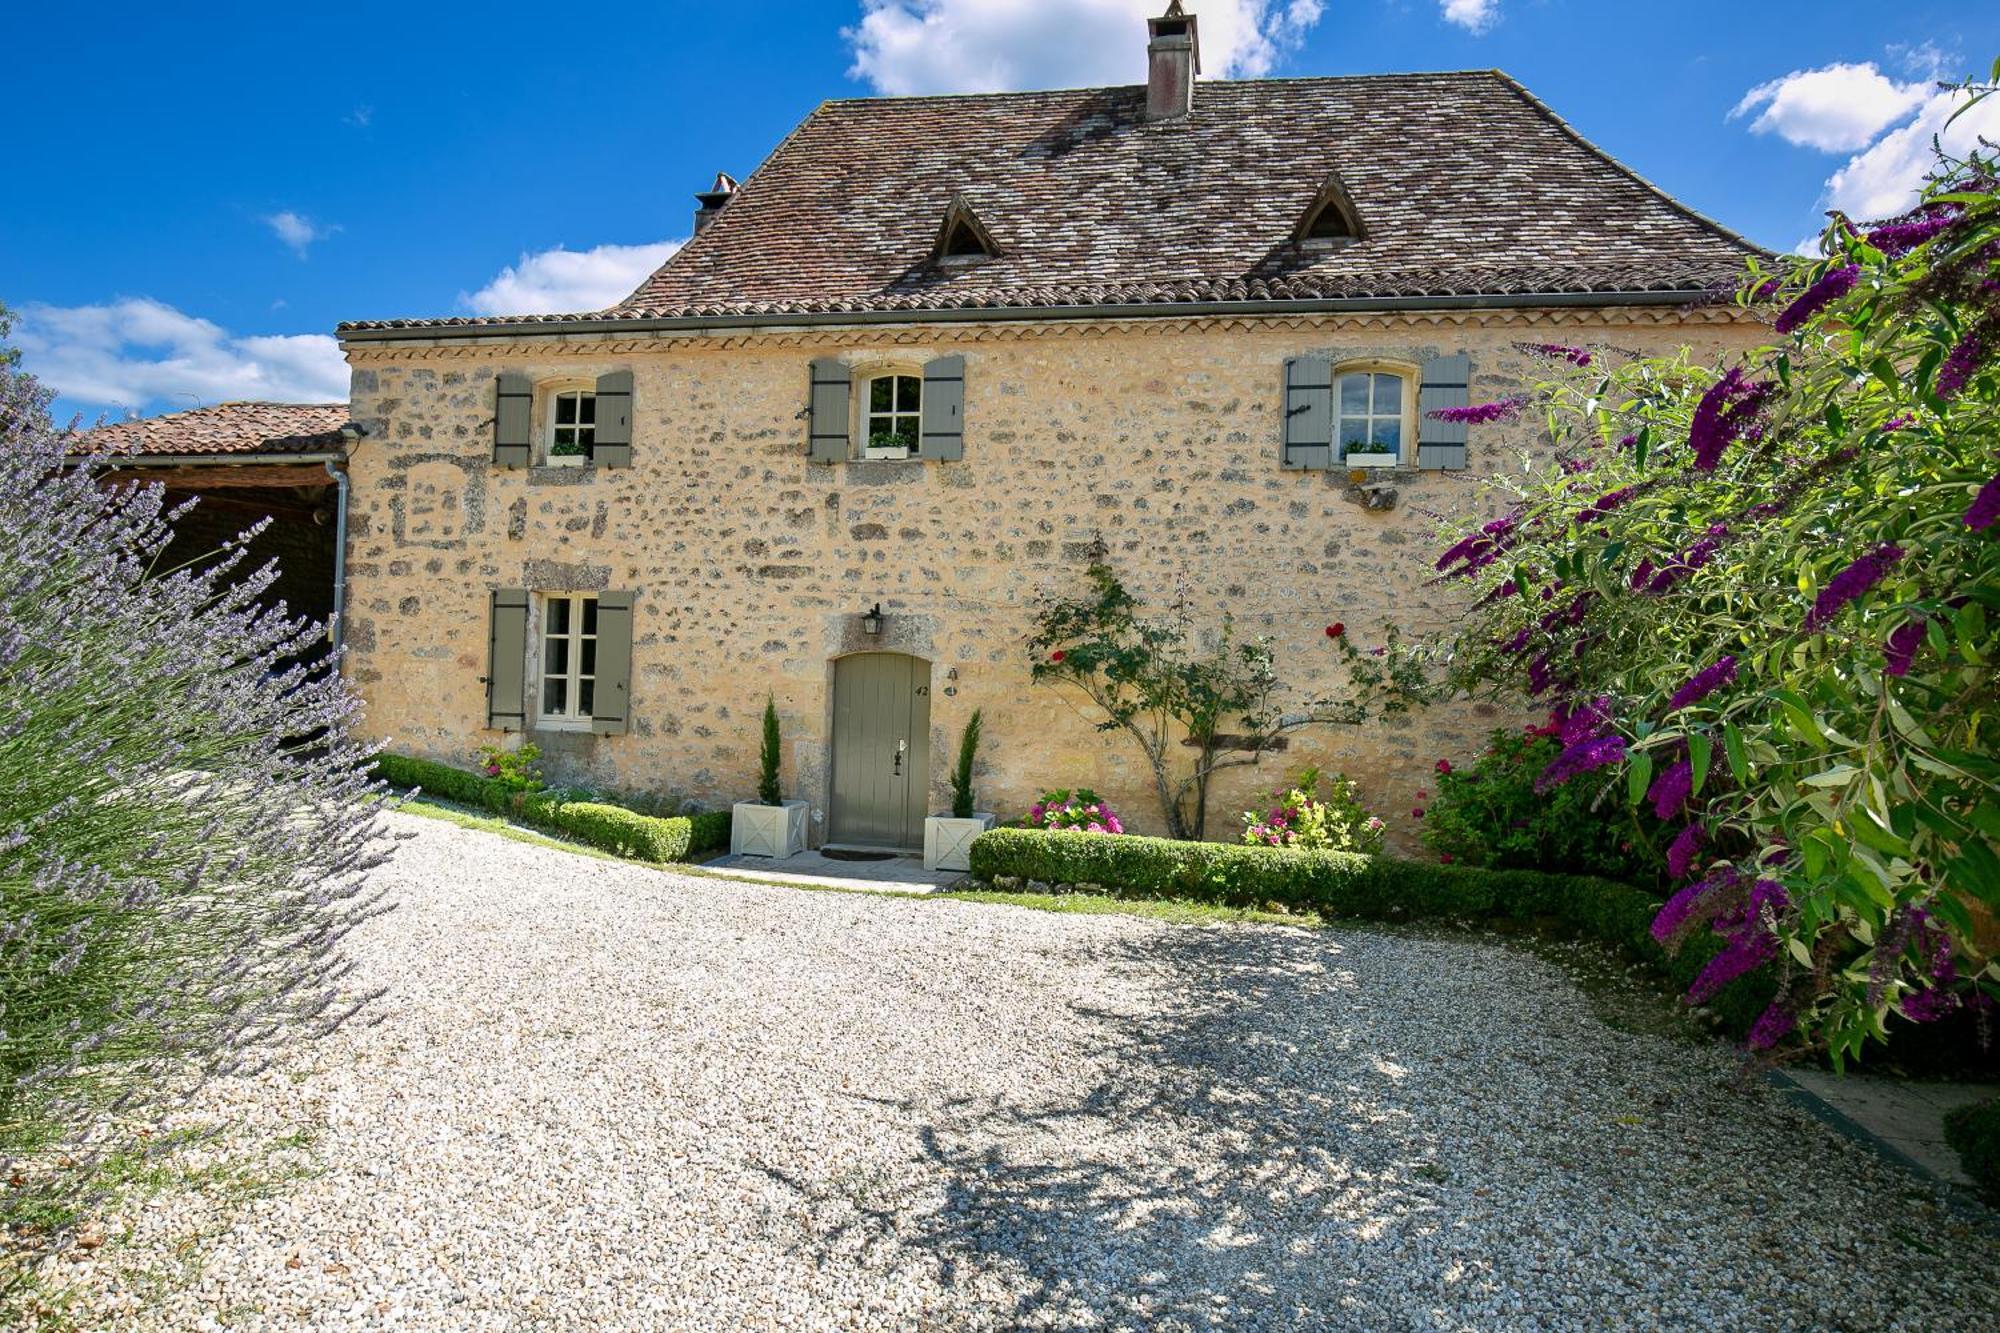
(1355, 1129)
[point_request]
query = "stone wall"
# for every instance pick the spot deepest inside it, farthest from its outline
(1157, 441)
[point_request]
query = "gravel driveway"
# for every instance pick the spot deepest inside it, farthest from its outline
(602, 1096)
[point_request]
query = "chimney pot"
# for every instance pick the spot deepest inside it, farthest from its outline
(1173, 58)
(714, 199)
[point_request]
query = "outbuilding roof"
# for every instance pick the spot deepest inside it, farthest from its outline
(225, 428)
(1464, 186)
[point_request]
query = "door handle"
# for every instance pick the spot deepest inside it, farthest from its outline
(901, 746)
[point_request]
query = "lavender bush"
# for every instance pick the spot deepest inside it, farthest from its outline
(1763, 599)
(185, 824)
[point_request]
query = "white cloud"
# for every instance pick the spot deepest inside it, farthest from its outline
(902, 47)
(560, 282)
(1884, 179)
(1475, 16)
(1836, 108)
(138, 352)
(297, 230)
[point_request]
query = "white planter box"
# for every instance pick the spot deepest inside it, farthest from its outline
(948, 841)
(767, 830)
(1371, 460)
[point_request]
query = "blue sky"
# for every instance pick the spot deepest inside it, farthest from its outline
(202, 192)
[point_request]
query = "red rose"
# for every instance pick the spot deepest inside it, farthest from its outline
(1444, 765)
(1446, 857)
(1417, 813)
(1056, 656)
(1335, 630)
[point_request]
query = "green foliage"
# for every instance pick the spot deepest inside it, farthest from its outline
(594, 823)
(1975, 1132)
(1491, 815)
(1346, 884)
(1315, 813)
(1193, 701)
(514, 769)
(1805, 541)
(961, 773)
(768, 789)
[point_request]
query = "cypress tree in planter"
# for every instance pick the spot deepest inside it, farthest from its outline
(948, 838)
(769, 825)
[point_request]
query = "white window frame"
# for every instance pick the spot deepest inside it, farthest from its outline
(551, 395)
(866, 416)
(1406, 415)
(573, 674)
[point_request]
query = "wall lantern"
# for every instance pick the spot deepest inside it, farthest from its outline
(871, 621)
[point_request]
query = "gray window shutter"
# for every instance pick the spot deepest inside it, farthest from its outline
(513, 419)
(612, 443)
(1308, 428)
(944, 409)
(1446, 383)
(826, 440)
(611, 705)
(507, 661)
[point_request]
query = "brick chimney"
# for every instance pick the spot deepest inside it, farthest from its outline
(714, 199)
(1173, 58)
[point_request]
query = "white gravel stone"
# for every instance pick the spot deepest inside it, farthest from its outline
(605, 1097)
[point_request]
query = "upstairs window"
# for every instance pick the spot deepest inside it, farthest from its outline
(1368, 413)
(572, 427)
(1329, 224)
(569, 659)
(892, 416)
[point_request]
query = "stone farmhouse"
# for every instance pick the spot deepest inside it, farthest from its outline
(936, 353)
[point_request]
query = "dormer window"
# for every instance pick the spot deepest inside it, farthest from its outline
(1330, 221)
(962, 238)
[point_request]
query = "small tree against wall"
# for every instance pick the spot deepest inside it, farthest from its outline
(768, 789)
(1193, 704)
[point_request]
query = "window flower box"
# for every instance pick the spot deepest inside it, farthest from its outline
(1371, 460)
(948, 841)
(776, 831)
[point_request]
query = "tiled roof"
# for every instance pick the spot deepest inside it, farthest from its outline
(1466, 186)
(226, 428)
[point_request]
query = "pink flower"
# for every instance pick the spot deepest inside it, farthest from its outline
(1444, 765)
(1057, 655)
(1446, 858)
(1417, 813)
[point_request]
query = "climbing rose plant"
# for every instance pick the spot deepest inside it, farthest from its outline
(1761, 600)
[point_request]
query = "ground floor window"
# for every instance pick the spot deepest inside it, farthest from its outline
(568, 658)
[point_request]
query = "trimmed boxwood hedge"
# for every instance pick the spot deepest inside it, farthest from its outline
(610, 827)
(1975, 1131)
(1347, 884)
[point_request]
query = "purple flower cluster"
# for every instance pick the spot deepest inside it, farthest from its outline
(1703, 683)
(1605, 504)
(1692, 906)
(1985, 507)
(1913, 229)
(1671, 789)
(1959, 366)
(1479, 549)
(1576, 356)
(1832, 285)
(1685, 847)
(1723, 415)
(1575, 724)
(1900, 652)
(1752, 942)
(1851, 583)
(1579, 759)
(1772, 1026)
(1698, 554)
(1480, 414)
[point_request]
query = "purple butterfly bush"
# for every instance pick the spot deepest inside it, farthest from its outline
(1576, 356)
(1900, 652)
(1703, 683)
(1772, 1026)
(1671, 789)
(1682, 851)
(168, 841)
(1831, 286)
(1850, 583)
(1904, 234)
(1581, 758)
(1985, 507)
(1724, 414)
(1959, 365)
(1751, 940)
(1482, 414)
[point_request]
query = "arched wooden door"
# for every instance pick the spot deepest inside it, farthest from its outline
(881, 750)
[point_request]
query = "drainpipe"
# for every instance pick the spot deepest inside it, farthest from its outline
(337, 628)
